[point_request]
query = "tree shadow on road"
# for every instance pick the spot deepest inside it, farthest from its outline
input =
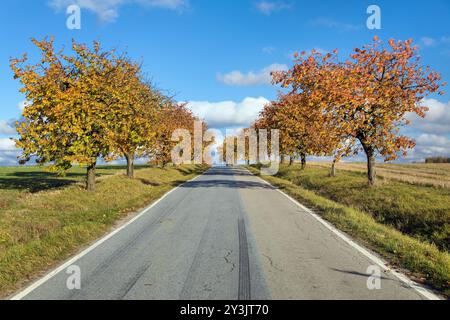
(228, 172)
(360, 274)
(226, 184)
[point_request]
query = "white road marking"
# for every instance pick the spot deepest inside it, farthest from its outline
(382, 264)
(72, 261)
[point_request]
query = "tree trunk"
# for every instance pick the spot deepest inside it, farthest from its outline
(371, 174)
(333, 169)
(130, 165)
(291, 160)
(303, 156)
(90, 178)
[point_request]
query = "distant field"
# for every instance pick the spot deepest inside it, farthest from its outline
(437, 175)
(45, 218)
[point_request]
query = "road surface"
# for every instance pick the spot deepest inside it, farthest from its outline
(226, 235)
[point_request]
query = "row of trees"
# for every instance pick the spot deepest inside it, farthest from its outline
(437, 160)
(92, 104)
(333, 108)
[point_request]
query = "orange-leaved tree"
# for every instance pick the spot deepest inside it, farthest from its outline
(376, 90)
(366, 100)
(305, 126)
(174, 116)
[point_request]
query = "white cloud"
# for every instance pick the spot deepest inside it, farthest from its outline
(6, 128)
(7, 144)
(430, 145)
(432, 131)
(429, 42)
(333, 24)
(252, 78)
(8, 152)
(8, 158)
(269, 50)
(437, 120)
(228, 113)
(108, 10)
(434, 141)
(269, 7)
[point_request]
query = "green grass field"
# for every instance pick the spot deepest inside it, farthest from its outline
(405, 222)
(45, 218)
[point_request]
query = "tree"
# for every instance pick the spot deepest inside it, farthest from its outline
(266, 121)
(296, 127)
(173, 116)
(249, 138)
(379, 86)
(136, 112)
(230, 143)
(67, 118)
(437, 160)
(305, 127)
(366, 99)
(208, 139)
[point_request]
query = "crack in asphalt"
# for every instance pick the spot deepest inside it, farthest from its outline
(272, 264)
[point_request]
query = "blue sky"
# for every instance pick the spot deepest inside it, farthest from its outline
(218, 53)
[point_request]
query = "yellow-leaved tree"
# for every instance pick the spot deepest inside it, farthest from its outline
(67, 119)
(136, 114)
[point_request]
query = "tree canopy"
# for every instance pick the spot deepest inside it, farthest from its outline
(89, 104)
(342, 108)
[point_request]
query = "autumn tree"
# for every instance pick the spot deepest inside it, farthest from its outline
(229, 150)
(366, 99)
(381, 85)
(266, 121)
(135, 114)
(296, 138)
(66, 120)
(305, 127)
(173, 116)
(207, 139)
(249, 142)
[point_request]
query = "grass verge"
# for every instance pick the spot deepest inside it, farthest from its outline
(420, 211)
(425, 262)
(45, 219)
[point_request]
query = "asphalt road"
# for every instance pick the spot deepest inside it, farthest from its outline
(226, 235)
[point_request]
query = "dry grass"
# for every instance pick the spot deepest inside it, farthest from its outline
(436, 175)
(45, 219)
(414, 209)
